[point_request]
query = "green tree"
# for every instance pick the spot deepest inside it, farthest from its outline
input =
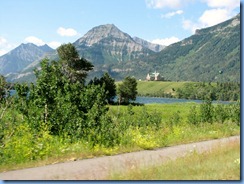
(127, 90)
(74, 67)
(109, 86)
(3, 85)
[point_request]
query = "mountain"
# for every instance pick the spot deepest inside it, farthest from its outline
(20, 57)
(106, 44)
(211, 54)
(149, 45)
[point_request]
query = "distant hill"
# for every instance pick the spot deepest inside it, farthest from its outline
(211, 54)
(20, 57)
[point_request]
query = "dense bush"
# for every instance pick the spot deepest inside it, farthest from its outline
(209, 113)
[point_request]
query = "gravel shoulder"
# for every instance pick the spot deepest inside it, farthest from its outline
(99, 168)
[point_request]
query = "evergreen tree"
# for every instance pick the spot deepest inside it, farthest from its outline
(74, 67)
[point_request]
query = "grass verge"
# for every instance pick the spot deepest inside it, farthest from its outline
(221, 163)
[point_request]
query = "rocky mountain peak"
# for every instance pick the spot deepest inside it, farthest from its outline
(98, 33)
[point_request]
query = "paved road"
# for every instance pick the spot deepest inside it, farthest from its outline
(99, 168)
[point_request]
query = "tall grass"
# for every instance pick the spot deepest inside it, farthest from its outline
(221, 163)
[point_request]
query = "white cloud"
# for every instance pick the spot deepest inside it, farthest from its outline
(228, 4)
(66, 32)
(191, 26)
(171, 14)
(159, 4)
(2, 41)
(5, 46)
(54, 44)
(35, 40)
(214, 16)
(166, 41)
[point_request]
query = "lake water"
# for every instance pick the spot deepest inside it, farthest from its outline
(155, 100)
(158, 100)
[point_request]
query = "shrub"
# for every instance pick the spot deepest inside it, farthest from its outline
(235, 112)
(220, 113)
(206, 111)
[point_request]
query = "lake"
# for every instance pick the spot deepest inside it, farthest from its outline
(158, 100)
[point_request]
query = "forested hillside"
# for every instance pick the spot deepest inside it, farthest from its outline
(211, 54)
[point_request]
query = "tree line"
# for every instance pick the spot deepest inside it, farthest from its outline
(229, 91)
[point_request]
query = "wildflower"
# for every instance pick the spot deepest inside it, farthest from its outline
(237, 161)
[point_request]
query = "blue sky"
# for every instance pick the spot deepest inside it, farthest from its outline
(55, 22)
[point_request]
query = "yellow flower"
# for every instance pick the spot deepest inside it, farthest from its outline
(237, 161)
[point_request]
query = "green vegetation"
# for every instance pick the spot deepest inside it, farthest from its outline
(216, 91)
(134, 127)
(109, 85)
(221, 163)
(3, 85)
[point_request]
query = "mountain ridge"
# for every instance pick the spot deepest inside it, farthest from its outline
(20, 57)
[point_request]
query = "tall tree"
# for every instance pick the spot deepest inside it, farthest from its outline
(127, 90)
(74, 67)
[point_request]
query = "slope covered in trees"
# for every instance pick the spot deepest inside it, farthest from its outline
(211, 54)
